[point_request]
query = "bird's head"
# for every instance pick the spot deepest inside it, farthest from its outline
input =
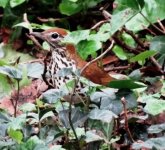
(53, 36)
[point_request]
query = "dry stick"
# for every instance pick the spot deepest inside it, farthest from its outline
(134, 37)
(98, 24)
(99, 57)
(47, 20)
(152, 23)
(117, 68)
(156, 64)
(106, 14)
(125, 46)
(123, 100)
(30, 31)
(150, 31)
(17, 98)
(161, 25)
(70, 115)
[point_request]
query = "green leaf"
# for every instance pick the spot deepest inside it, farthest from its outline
(76, 36)
(53, 95)
(114, 104)
(16, 135)
(14, 3)
(142, 56)
(99, 36)
(69, 8)
(11, 72)
(158, 44)
(125, 84)
(154, 106)
(27, 107)
(119, 53)
(46, 115)
(17, 123)
(86, 48)
(120, 19)
(151, 10)
(102, 115)
(135, 5)
(24, 24)
(156, 128)
(91, 136)
(5, 88)
(34, 70)
(3, 3)
(77, 117)
(152, 143)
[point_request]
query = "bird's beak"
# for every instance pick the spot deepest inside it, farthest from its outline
(38, 35)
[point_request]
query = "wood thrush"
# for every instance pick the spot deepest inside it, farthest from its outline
(66, 56)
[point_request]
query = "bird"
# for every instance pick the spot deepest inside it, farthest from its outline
(66, 56)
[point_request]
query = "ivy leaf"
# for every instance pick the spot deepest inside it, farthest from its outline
(152, 143)
(154, 106)
(16, 135)
(78, 117)
(11, 72)
(14, 3)
(69, 7)
(125, 84)
(119, 52)
(143, 56)
(154, 129)
(24, 24)
(158, 44)
(76, 36)
(3, 3)
(86, 48)
(102, 115)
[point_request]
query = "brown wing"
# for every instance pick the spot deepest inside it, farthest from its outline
(97, 75)
(92, 72)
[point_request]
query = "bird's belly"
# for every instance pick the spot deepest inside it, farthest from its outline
(55, 80)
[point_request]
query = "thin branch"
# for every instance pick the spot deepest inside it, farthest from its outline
(152, 23)
(17, 99)
(134, 37)
(98, 24)
(49, 19)
(161, 25)
(30, 31)
(125, 46)
(117, 68)
(150, 31)
(99, 57)
(123, 100)
(154, 61)
(106, 15)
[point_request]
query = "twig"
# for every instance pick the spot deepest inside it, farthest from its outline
(123, 100)
(99, 57)
(70, 114)
(30, 31)
(156, 64)
(106, 15)
(151, 32)
(161, 25)
(98, 24)
(125, 46)
(117, 68)
(17, 99)
(151, 23)
(134, 37)
(49, 19)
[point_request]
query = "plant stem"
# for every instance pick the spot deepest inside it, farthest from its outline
(17, 99)
(70, 115)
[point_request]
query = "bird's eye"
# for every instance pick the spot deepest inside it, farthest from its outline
(55, 35)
